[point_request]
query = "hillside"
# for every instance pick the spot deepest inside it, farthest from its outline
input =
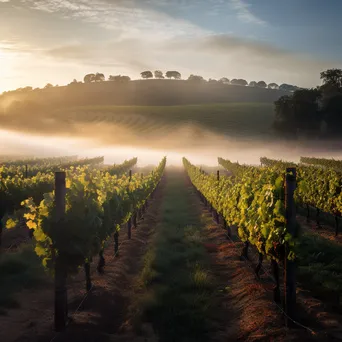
(142, 93)
(149, 126)
(150, 113)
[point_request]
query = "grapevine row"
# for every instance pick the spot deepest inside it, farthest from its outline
(276, 163)
(118, 169)
(72, 223)
(328, 163)
(316, 187)
(14, 190)
(96, 204)
(30, 170)
(234, 168)
(38, 161)
(252, 200)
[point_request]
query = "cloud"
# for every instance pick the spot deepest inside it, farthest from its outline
(130, 54)
(252, 60)
(128, 18)
(72, 52)
(210, 55)
(226, 43)
(244, 13)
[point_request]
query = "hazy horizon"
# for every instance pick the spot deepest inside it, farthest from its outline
(19, 143)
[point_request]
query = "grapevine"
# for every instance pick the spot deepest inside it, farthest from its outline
(96, 205)
(317, 187)
(28, 168)
(121, 168)
(253, 200)
(328, 163)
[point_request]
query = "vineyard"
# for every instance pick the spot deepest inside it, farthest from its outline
(170, 243)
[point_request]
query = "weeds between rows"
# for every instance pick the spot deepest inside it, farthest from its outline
(178, 286)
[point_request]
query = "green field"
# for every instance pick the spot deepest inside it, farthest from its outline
(228, 118)
(112, 123)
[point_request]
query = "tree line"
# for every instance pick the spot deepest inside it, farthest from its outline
(315, 112)
(224, 80)
(158, 74)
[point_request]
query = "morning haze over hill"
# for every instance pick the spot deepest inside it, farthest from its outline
(169, 75)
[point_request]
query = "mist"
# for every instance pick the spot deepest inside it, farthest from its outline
(196, 143)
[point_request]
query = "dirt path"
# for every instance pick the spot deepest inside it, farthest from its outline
(194, 287)
(104, 310)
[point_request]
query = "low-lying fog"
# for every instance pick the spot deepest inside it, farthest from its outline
(202, 150)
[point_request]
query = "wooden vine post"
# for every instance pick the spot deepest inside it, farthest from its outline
(26, 173)
(154, 190)
(0, 231)
(87, 275)
(134, 219)
(129, 223)
(289, 265)
(116, 243)
(129, 228)
(61, 300)
(215, 213)
(101, 263)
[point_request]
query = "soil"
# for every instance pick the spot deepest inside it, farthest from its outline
(325, 231)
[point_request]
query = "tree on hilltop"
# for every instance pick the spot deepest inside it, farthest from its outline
(196, 78)
(240, 82)
(158, 74)
(261, 84)
(173, 74)
(224, 80)
(89, 78)
(99, 77)
(273, 86)
(332, 77)
(212, 81)
(146, 74)
(119, 78)
(287, 87)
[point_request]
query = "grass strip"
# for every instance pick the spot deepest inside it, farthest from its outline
(178, 285)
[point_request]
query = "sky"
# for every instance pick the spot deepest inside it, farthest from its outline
(56, 41)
